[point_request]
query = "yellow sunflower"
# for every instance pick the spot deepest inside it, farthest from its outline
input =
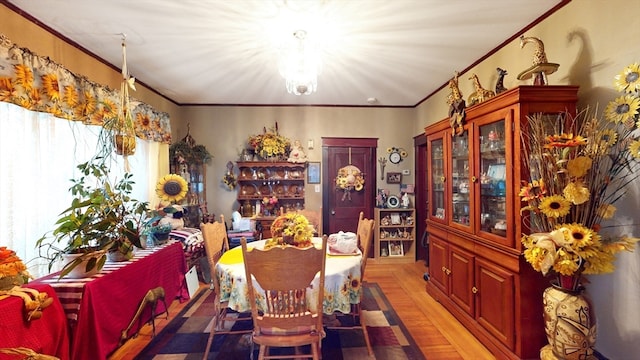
(622, 109)
(172, 188)
(554, 206)
(51, 86)
(629, 79)
(579, 236)
(634, 147)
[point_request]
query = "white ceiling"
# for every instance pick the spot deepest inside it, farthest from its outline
(224, 51)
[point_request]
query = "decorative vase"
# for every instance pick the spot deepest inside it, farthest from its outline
(570, 322)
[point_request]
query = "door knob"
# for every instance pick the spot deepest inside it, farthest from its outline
(333, 212)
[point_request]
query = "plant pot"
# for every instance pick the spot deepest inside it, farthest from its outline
(79, 271)
(125, 144)
(161, 238)
(118, 256)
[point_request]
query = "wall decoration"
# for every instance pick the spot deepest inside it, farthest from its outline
(349, 178)
(396, 155)
(394, 178)
(313, 173)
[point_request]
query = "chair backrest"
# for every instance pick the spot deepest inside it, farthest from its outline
(315, 219)
(285, 275)
(216, 242)
(365, 236)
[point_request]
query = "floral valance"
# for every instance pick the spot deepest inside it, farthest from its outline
(39, 84)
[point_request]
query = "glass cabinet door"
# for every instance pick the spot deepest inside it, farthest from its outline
(493, 178)
(460, 184)
(436, 166)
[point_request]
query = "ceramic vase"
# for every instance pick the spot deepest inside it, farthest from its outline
(570, 322)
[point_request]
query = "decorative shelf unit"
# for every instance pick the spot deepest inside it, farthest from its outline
(476, 269)
(258, 179)
(395, 235)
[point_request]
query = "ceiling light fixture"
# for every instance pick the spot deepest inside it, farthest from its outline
(300, 65)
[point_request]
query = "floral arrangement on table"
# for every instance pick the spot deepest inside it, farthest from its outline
(290, 229)
(270, 144)
(578, 174)
(13, 272)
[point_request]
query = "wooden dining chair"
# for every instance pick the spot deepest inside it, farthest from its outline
(216, 242)
(292, 316)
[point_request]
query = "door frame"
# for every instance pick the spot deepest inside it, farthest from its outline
(328, 183)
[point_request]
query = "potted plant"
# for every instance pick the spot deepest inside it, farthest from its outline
(101, 219)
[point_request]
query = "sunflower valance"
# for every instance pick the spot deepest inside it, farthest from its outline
(39, 84)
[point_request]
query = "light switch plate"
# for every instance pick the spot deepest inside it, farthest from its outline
(317, 188)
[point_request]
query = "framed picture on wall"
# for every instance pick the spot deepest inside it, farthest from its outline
(394, 178)
(313, 172)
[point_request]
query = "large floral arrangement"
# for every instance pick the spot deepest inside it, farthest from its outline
(270, 143)
(578, 172)
(290, 229)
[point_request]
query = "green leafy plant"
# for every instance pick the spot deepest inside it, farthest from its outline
(102, 217)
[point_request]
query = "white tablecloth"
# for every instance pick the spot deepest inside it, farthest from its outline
(342, 280)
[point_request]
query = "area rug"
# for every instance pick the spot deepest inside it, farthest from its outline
(185, 337)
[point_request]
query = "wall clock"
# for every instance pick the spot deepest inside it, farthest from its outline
(394, 157)
(393, 202)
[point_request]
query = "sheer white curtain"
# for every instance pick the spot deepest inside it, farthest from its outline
(38, 156)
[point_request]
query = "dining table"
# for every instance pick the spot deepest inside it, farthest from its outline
(341, 286)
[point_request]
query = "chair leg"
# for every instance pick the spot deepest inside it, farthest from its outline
(365, 333)
(212, 332)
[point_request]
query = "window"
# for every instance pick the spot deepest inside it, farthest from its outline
(38, 156)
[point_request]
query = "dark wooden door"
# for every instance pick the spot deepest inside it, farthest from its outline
(341, 209)
(422, 197)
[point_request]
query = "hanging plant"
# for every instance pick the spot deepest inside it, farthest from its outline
(124, 132)
(186, 151)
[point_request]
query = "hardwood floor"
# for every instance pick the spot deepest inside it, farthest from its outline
(438, 334)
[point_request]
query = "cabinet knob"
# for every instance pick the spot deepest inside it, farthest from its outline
(442, 178)
(474, 290)
(474, 179)
(444, 269)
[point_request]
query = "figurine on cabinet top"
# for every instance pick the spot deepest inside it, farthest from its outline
(404, 200)
(297, 154)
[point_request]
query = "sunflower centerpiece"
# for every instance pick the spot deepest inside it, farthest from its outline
(270, 145)
(290, 229)
(577, 174)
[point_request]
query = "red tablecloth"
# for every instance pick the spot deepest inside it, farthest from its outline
(47, 335)
(99, 308)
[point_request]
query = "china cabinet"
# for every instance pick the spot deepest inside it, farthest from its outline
(474, 224)
(189, 161)
(395, 235)
(281, 184)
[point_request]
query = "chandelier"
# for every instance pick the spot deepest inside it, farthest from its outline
(300, 65)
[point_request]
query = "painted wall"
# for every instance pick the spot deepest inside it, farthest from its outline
(592, 40)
